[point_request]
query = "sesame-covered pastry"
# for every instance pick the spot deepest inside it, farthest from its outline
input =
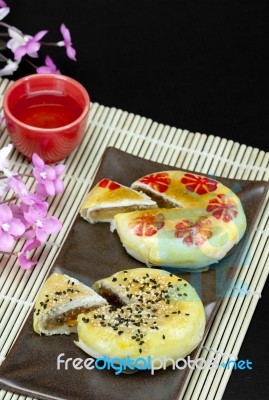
(108, 198)
(157, 315)
(59, 302)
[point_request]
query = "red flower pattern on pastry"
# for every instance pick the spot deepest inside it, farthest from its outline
(159, 182)
(109, 184)
(194, 233)
(147, 225)
(199, 184)
(222, 207)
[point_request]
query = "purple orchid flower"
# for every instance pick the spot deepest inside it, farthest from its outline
(30, 46)
(24, 261)
(70, 51)
(42, 225)
(21, 190)
(48, 68)
(18, 213)
(10, 228)
(47, 177)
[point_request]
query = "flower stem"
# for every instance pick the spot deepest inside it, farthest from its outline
(9, 253)
(8, 200)
(10, 26)
(48, 44)
(27, 175)
(34, 66)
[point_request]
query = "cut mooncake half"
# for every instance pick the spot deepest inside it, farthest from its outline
(60, 301)
(108, 198)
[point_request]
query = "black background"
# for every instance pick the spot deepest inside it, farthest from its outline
(196, 65)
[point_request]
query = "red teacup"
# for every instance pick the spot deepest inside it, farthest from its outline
(46, 114)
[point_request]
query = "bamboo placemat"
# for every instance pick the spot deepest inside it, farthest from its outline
(145, 138)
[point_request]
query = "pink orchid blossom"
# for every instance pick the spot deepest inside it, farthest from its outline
(70, 51)
(24, 261)
(21, 44)
(10, 228)
(23, 193)
(3, 3)
(47, 177)
(48, 68)
(18, 213)
(24, 46)
(17, 38)
(42, 225)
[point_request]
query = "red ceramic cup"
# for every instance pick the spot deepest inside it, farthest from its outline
(46, 114)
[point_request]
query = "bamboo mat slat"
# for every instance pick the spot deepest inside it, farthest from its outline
(145, 138)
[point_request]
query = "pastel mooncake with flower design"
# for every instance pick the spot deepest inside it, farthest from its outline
(108, 198)
(206, 220)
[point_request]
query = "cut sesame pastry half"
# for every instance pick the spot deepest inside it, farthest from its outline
(108, 198)
(160, 315)
(59, 302)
